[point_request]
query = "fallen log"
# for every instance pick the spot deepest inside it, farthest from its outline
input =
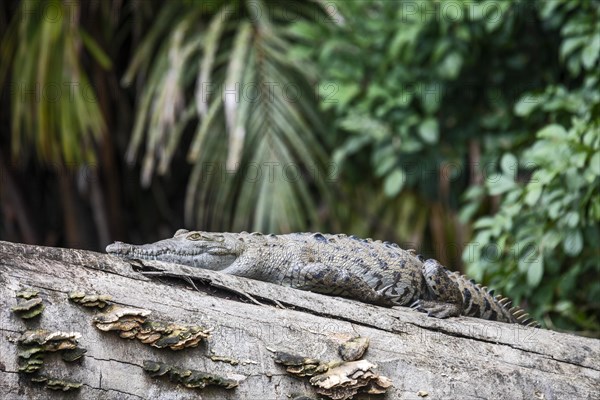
(217, 337)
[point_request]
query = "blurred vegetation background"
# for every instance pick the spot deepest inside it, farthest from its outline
(468, 130)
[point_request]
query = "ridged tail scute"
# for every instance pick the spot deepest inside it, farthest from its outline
(480, 302)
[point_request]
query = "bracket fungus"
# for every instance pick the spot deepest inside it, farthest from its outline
(73, 354)
(57, 384)
(349, 378)
(131, 323)
(36, 343)
(27, 294)
(32, 305)
(299, 365)
(224, 359)
(339, 380)
(188, 377)
(90, 300)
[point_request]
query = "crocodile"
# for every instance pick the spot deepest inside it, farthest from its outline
(367, 270)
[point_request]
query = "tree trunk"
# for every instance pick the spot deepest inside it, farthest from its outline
(424, 357)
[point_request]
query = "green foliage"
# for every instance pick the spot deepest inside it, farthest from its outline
(542, 245)
(53, 105)
(423, 104)
(429, 85)
(223, 73)
(444, 78)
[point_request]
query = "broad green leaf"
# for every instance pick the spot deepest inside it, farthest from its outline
(543, 176)
(595, 163)
(394, 182)
(500, 185)
(484, 222)
(551, 239)
(411, 145)
(534, 192)
(429, 130)
(591, 52)
(431, 97)
(535, 272)
(451, 65)
(351, 146)
(553, 131)
(554, 209)
(564, 306)
(384, 165)
(493, 22)
(526, 105)
(570, 45)
(346, 93)
(572, 219)
(467, 212)
(573, 243)
(404, 38)
(474, 192)
(509, 165)
(578, 159)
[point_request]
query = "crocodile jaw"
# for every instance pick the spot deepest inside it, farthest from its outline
(173, 250)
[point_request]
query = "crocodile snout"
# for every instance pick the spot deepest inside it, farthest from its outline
(117, 248)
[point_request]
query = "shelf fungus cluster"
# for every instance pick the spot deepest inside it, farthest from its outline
(339, 380)
(90, 300)
(132, 323)
(348, 378)
(35, 344)
(187, 377)
(300, 366)
(57, 384)
(29, 304)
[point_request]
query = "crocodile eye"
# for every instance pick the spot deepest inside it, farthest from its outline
(194, 236)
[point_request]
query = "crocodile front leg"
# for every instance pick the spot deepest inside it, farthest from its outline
(320, 278)
(445, 297)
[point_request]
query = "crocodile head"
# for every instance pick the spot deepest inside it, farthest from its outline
(207, 250)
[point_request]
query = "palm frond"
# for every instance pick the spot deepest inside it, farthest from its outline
(235, 70)
(245, 122)
(53, 104)
(211, 44)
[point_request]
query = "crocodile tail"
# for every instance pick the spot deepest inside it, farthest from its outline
(480, 302)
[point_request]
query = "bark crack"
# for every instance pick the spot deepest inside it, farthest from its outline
(112, 390)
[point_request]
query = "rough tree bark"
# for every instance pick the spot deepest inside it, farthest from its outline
(424, 357)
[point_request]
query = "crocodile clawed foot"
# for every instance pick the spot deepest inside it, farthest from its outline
(418, 305)
(394, 299)
(436, 309)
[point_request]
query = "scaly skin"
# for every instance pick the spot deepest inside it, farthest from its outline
(366, 270)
